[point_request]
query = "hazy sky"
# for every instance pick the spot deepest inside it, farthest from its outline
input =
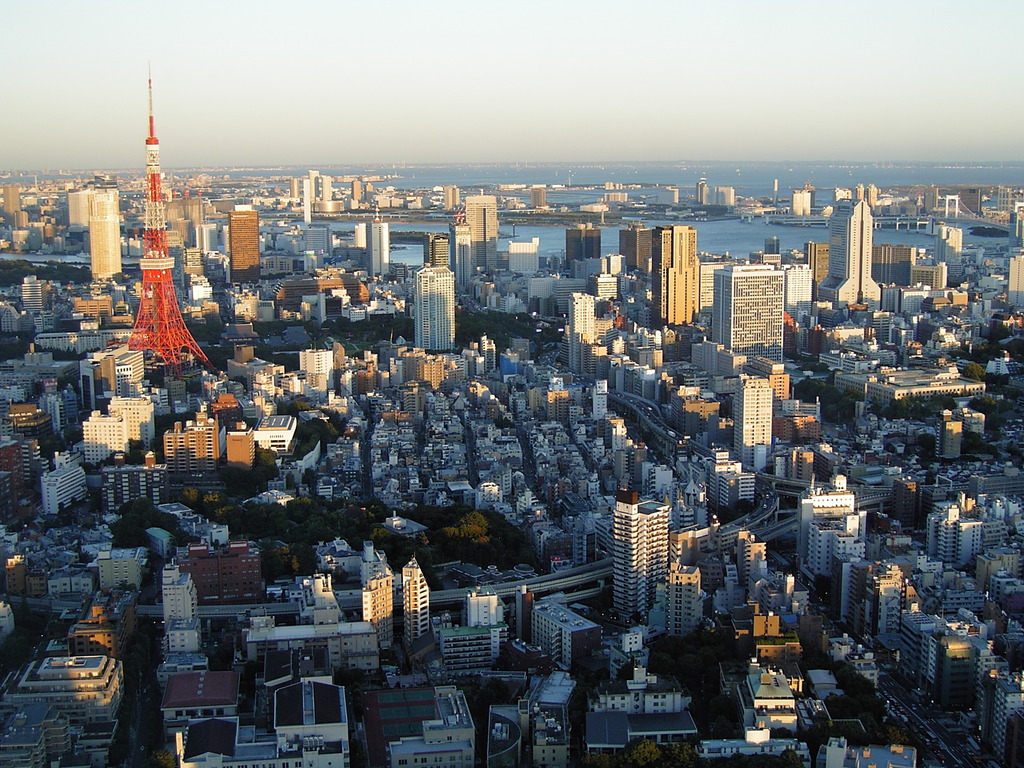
(339, 82)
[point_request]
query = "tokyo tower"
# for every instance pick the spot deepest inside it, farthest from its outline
(159, 326)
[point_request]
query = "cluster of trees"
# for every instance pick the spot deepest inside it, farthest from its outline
(694, 661)
(13, 271)
(501, 328)
(129, 530)
(837, 406)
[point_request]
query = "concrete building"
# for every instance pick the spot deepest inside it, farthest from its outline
(563, 634)
(121, 567)
(482, 220)
(193, 448)
(434, 308)
(639, 551)
(747, 310)
(104, 233)
(244, 244)
(675, 283)
(828, 524)
(849, 278)
(102, 436)
(684, 599)
(752, 423)
(415, 602)
(346, 644)
(85, 689)
(64, 485)
(378, 594)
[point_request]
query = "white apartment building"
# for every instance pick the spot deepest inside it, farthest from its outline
(103, 436)
(139, 416)
(639, 551)
(415, 602)
(64, 485)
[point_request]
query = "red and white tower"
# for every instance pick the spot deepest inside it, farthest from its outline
(159, 326)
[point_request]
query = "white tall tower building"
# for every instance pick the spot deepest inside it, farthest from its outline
(378, 583)
(180, 599)
(801, 205)
(849, 257)
(79, 202)
(483, 609)
(639, 552)
(1015, 289)
(434, 308)
(797, 289)
(415, 602)
(318, 364)
(378, 246)
(752, 423)
(949, 243)
(581, 328)
(104, 233)
(829, 524)
(482, 218)
(460, 253)
(747, 310)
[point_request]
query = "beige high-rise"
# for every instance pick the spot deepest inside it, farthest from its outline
(104, 233)
(482, 218)
(676, 275)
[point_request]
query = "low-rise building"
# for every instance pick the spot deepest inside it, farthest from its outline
(85, 689)
(348, 644)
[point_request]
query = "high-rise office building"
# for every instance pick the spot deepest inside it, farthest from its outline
(460, 253)
(538, 196)
(104, 233)
(891, 264)
(1015, 289)
(78, 207)
(849, 266)
(701, 192)
(797, 289)
(12, 201)
(244, 244)
(451, 198)
(436, 250)
(747, 310)
(752, 423)
(33, 294)
(582, 242)
(434, 308)
(676, 275)
(415, 602)
(772, 246)
(378, 246)
(482, 219)
(639, 552)
(949, 243)
(801, 202)
(635, 245)
(817, 260)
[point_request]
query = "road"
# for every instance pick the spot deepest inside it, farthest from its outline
(935, 728)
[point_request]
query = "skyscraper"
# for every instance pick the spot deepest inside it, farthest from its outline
(482, 219)
(582, 242)
(244, 244)
(581, 328)
(436, 250)
(849, 264)
(752, 423)
(104, 233)
(1015, 289)
(451, 198)
(378, 246)
(415, 602)
(12, 201)
(434, 308)
(460, 252)
(378, 593)
(635, 245)
(747, 310)
(639, 552)
(675, 270)
(891, 264)
(797, 289)
(949, 243)
(817, 259)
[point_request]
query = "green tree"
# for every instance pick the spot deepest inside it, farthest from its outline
(641, 753)
(974, 371)
(160, 759)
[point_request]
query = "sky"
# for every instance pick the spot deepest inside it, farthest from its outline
(262, 83)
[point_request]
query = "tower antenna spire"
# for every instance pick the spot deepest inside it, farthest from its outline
(159, 328)
(152, 122)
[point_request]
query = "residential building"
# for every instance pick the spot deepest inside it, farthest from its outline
(415, 602)
(563, 634)
(752, 423)
(193, 448)
(102, 436)
(345, 644)
(482, 219)
(639, 551)
(684, 599)
(434, 308)
(378, 594)
(122, 483)
(85, 689)
(229, 574)
(64, 485)
(104, 233)
(121, 567)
